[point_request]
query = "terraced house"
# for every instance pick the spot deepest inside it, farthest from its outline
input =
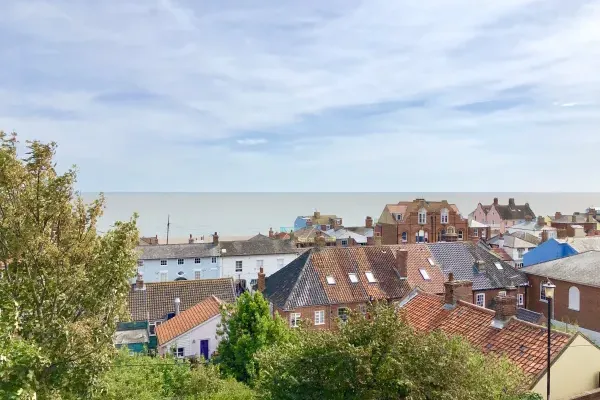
(421, 221)
(501, 216)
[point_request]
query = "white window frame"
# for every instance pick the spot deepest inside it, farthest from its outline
(502, 293)
(151, 331)
(476, 232)
(280, 262)
(164, 273)
(460, 234)
(197, 274)
(479, 296)
(163, 262)
(214, 260)
(320, 317)
(543, 297)
(353, 278)
(180, 261)
(294, 319)
(572, 306)
(398, 217)
(178, 353)
(344, 242)
(520, 299)
(240, 267)
(197, 260)
(260, 263)
(444, 216)
(343, 315)
(422, 216)
(370, 277)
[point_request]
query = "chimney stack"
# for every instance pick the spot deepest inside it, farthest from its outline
(139, 282)
(368, 222)
(511, 202)
(573, 218)
(378, 240)
(317, 214)
(544, 236)
(177, 301)
(457, 290)
(506, 307)
(191, 239)
(541, 221)
(271, 233)
(402, 263)
(495, 201)
(320, 239)
(557, 215)
(261, 283)
(215, 239)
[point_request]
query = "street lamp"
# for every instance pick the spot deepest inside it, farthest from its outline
(549, 294)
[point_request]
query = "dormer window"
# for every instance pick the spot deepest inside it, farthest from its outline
(422, 216)
(398, 217)
(444, 216)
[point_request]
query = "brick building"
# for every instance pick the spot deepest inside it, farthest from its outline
(566, 222)
(577, 293)
(501, 216)
(421, 221)
(324, 283)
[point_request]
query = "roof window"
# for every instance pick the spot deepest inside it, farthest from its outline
(498, 265)
(431, 262)
(353, 278)
(330, 280)
(424, 274)
(370, 277)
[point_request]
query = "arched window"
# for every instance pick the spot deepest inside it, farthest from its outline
(422, 216)
(444, 216)
(573, 298)
(404, 237)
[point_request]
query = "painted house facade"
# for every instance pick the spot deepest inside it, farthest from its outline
(500, 217)
(421, 221)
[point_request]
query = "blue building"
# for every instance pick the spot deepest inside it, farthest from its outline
(554, 249)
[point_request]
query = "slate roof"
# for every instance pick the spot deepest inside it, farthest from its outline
(568, 219)
(522, 342)
(502, 254)
(308, 235)
(303, 282)
(157, 299)
(257, 247)
(584, 244)
(184, 250)
(514, 242)
(512, 212)
(461, 258)
(260, 236)
(580, 268)
(528, 237)
(529, 316)
(361, 230)
(407, 208)
(343, 233)
(188, 319)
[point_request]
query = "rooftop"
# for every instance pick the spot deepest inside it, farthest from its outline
(580, 268)
(584, 244)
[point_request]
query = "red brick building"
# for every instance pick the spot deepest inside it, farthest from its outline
(421, 221)
(565, 222)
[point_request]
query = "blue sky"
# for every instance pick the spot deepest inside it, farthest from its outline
(183, 95)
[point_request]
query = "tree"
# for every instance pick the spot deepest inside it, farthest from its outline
(381, 357)
(247, 327)
(153, 378)
(68, 284)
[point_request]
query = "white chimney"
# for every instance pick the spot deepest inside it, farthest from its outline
(177, 301)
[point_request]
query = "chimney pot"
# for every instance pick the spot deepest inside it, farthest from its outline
(495, 201)
(557, 215)
(511, 202)
(271, 233)
(506, 306)
(261, 283)
(177, 302)
(402, 263)
(191, 239)
(368, 222)
(139, 282)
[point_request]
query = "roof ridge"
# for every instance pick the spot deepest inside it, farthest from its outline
(476, 307)
(184, 282)
(538, 326)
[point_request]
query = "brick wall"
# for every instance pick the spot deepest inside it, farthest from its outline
(308, 313)
(388, 233)
(589, 303)
(411, 226)
(491, 294)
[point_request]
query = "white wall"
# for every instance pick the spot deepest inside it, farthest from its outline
(190, 340)
(152, 268)
(249, 268)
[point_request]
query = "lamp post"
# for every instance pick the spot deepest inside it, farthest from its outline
(549, 294)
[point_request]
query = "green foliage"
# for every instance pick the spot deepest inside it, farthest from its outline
(142, 377)
(67, 284)
(380, 357)
(248, 327)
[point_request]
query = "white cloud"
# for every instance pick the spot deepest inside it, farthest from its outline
(188, 79)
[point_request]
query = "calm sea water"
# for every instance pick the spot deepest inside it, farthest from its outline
(250, 213)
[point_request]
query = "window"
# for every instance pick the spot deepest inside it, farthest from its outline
(320, 317)
(543, 293)
(520, 252)
(344, 242)
(330, 280)
(498, 265)
(197, 274)
(422, 216)
(483, 233)
(280, 263)
(518, 265)
(520, 299)
(444, 216)
(179, 352)
(343, 313)
(502, 293)
(259, 263)
(460, 235)
(327, 227)
(152, 329)
(424, 274)
(164, 276)
(573, 298)
(353, 278)
(431, 262)
(180, 261)
(294, 319)
(475, 232)
(399, 217)
(404, 237)
(140, 263)
(163, 262)
(197, 260)
(370, 277)
(238, 266)
(480, 299)
(362, 308)
(214, 260)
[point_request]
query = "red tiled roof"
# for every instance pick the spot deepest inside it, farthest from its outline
(522, 342)
(190, 318)
(502, 254)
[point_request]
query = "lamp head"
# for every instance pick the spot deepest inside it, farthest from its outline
(549, 289)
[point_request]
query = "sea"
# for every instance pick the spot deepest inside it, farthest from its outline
(244, 214)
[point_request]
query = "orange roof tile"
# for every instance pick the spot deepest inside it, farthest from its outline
(522, 342)
(190, 318)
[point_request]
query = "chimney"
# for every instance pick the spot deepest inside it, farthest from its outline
(506, 308)
(317, 214)
(191, 239)
(557, 215)
(320, 239)
(139, 282)
(544, 236)
(511, 291)
(261, 284)
(177, 301)
(402, 263)
(271, 233)
(369, 222)
(495, 201)
(215, 239)
(457, 290)
(541, 221)
(511, 202)
(528, 218)
(574, 218)
(378, 240)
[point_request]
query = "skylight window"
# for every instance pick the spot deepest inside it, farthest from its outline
(353, 278)
(424, 274)
(431, 262)
(370, 277)
(498, 265)
(331, 280)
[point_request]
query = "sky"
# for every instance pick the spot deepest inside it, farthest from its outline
(337, 95)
